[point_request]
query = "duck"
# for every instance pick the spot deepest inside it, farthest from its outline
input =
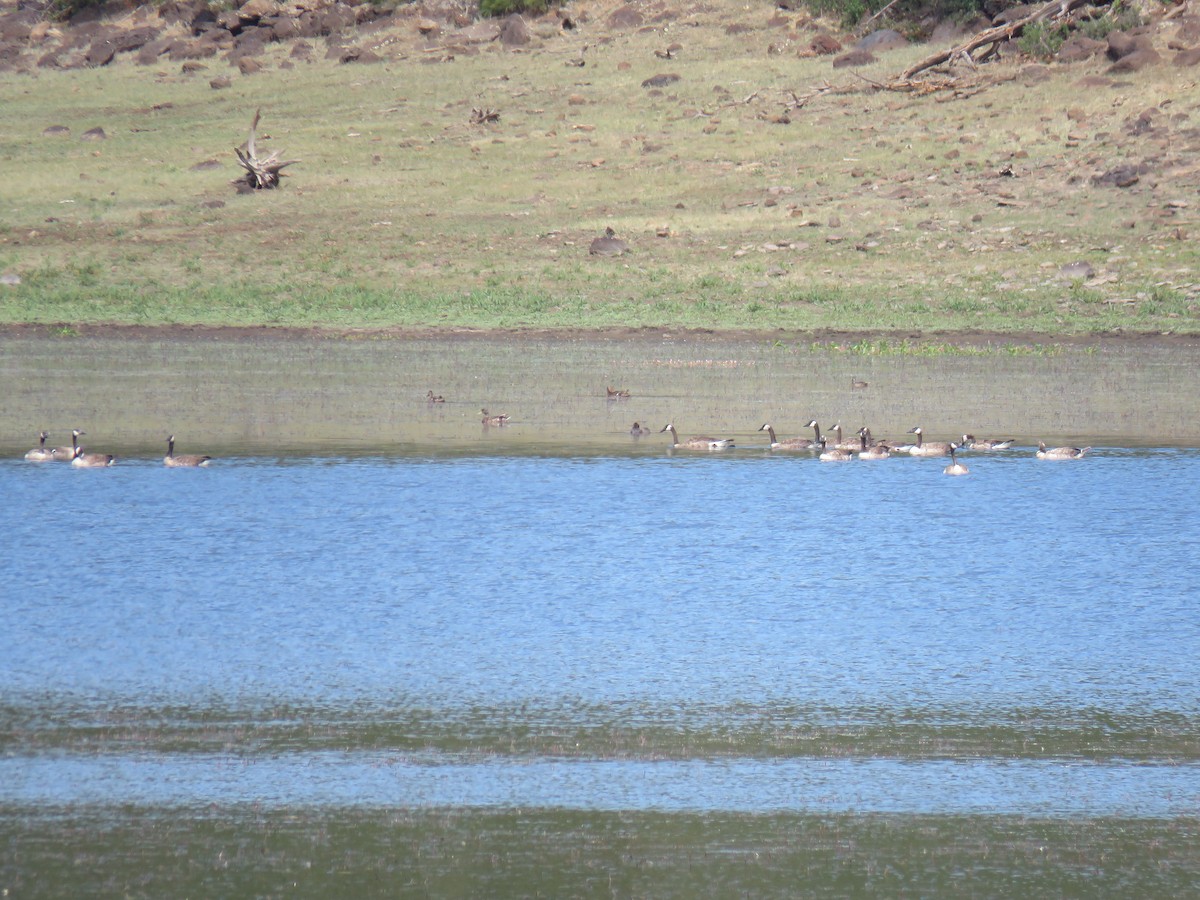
(700, 442)
(489, 419)
(639, 430)
(431, 397)
(1060, 452)
(857, 385)
(797, 443)
(184, 461)
(933, 448)
(955, 467)
(869, 450)
(841, 443)
(617, 394)
(972, 443)
(40, 453)
(82, 460)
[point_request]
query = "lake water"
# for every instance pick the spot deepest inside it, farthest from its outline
(495, 619)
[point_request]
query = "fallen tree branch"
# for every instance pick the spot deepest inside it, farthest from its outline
(991, 37)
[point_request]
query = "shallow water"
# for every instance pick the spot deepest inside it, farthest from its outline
(367, 602)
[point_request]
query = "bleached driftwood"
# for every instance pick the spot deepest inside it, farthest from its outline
(264, 173)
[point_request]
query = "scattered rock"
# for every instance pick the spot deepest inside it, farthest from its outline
(221, 82)
(824, 45)
(1077, 271)
(515, 31)
(1121, 176)
(56, 131)
(608, 245)
(625, 17)
(1187, 57)
(660, 81)
(1077, 48)
(205, 165)
(94, 134)
(853, 58)
(1136, 61)
(248, 66)
(212, 204)
(881, 41)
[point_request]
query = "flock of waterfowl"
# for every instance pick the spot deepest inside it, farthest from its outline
(864, 446)
(76, 455)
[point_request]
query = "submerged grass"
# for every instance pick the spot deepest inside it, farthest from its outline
(248, 851)
(871, 211)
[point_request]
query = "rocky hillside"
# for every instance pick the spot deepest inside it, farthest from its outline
(190, 34)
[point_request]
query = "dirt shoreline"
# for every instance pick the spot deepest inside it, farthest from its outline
(265, 333)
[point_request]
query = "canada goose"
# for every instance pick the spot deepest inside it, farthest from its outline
(933, 448)
(432, 398)
(639, 430)
(616, 394)
(88, 460)
(67, 454)
(971, 443)
(835, 454)
(797, 443)
(187, 460)
(40, 453)
(489, 419)
(1060, 452)
(841, 443)
(867, 450)
(700, 442)
(955, 467)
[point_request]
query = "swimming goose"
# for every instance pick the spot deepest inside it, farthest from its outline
(639, 430)
(40, 453)
(933, 448)
(88, 460)
(955, 467)
(835, 454)
(67, 454)
(841, 443)
(1060, 452)
(797, 443)
(432, 398)
(867, 450)
(700, 442)
(489, 419)
(187, 460)
(971, 443)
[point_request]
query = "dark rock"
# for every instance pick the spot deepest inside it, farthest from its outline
(824, 45)
(1122, 44)
(1121, 176)
(1077, 48)
(659, 81)
(94, 134)
(1187, 57)
(881, 41)
(148, 55)
(1136, 61)
(853, 58)
(220, 82)
(100, 53)
(301, 50)
(359, 55)
(191, 68)
(514, 32)
(56, 131)
(248, 66)
(1013, 14)
(625, 17)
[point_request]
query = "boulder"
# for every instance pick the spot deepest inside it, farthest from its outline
(881, 41)
(856, 57)
(514, 32)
